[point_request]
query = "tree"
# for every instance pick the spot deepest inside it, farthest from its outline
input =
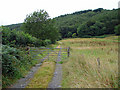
(117, 29)
(98, 10)
(39, 25)
(52, 31)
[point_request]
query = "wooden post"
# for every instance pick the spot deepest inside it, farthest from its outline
(48, 53)
(68, 51)
(98, 60)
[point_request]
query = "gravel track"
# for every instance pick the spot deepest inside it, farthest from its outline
(56, 80)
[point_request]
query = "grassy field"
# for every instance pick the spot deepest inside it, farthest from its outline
(93, 63)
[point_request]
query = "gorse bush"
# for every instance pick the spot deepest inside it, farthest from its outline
(14, 63)
(10, 61)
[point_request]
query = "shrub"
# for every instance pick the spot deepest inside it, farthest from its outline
(18, 38)
(117, 30)
(47, 42)
(14, 63)
(74, 35)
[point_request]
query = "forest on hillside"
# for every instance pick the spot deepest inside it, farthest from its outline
(88, 23)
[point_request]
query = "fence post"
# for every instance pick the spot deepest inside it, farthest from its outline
(68, 51)
(48, 53)
(98, 60)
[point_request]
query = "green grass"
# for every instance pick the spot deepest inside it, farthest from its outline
(60, 62)
(81, 69)
(43, 76)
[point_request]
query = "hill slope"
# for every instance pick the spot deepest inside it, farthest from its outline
(85, 23)
(88, 22)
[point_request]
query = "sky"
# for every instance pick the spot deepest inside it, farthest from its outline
(15, 11)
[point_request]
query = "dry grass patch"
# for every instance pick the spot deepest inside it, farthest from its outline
(82, 71)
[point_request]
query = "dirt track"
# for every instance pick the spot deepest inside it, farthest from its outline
(56, 80)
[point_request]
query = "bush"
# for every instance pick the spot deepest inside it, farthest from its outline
(14, 63)
(117, 30)
(18, 38)
(47, 42)
(74, 35)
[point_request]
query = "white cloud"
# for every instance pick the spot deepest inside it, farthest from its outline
(15, 11)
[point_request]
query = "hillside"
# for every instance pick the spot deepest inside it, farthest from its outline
(88, 22)
(15, 26)
(85, 23)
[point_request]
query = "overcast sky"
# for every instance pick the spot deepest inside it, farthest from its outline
(15, 11)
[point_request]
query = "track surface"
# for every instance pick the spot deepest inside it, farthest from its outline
(56, 80)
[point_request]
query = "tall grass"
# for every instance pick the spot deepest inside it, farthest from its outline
(82, 70)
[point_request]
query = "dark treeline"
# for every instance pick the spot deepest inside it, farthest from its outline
(88, 23)
(15, 26)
